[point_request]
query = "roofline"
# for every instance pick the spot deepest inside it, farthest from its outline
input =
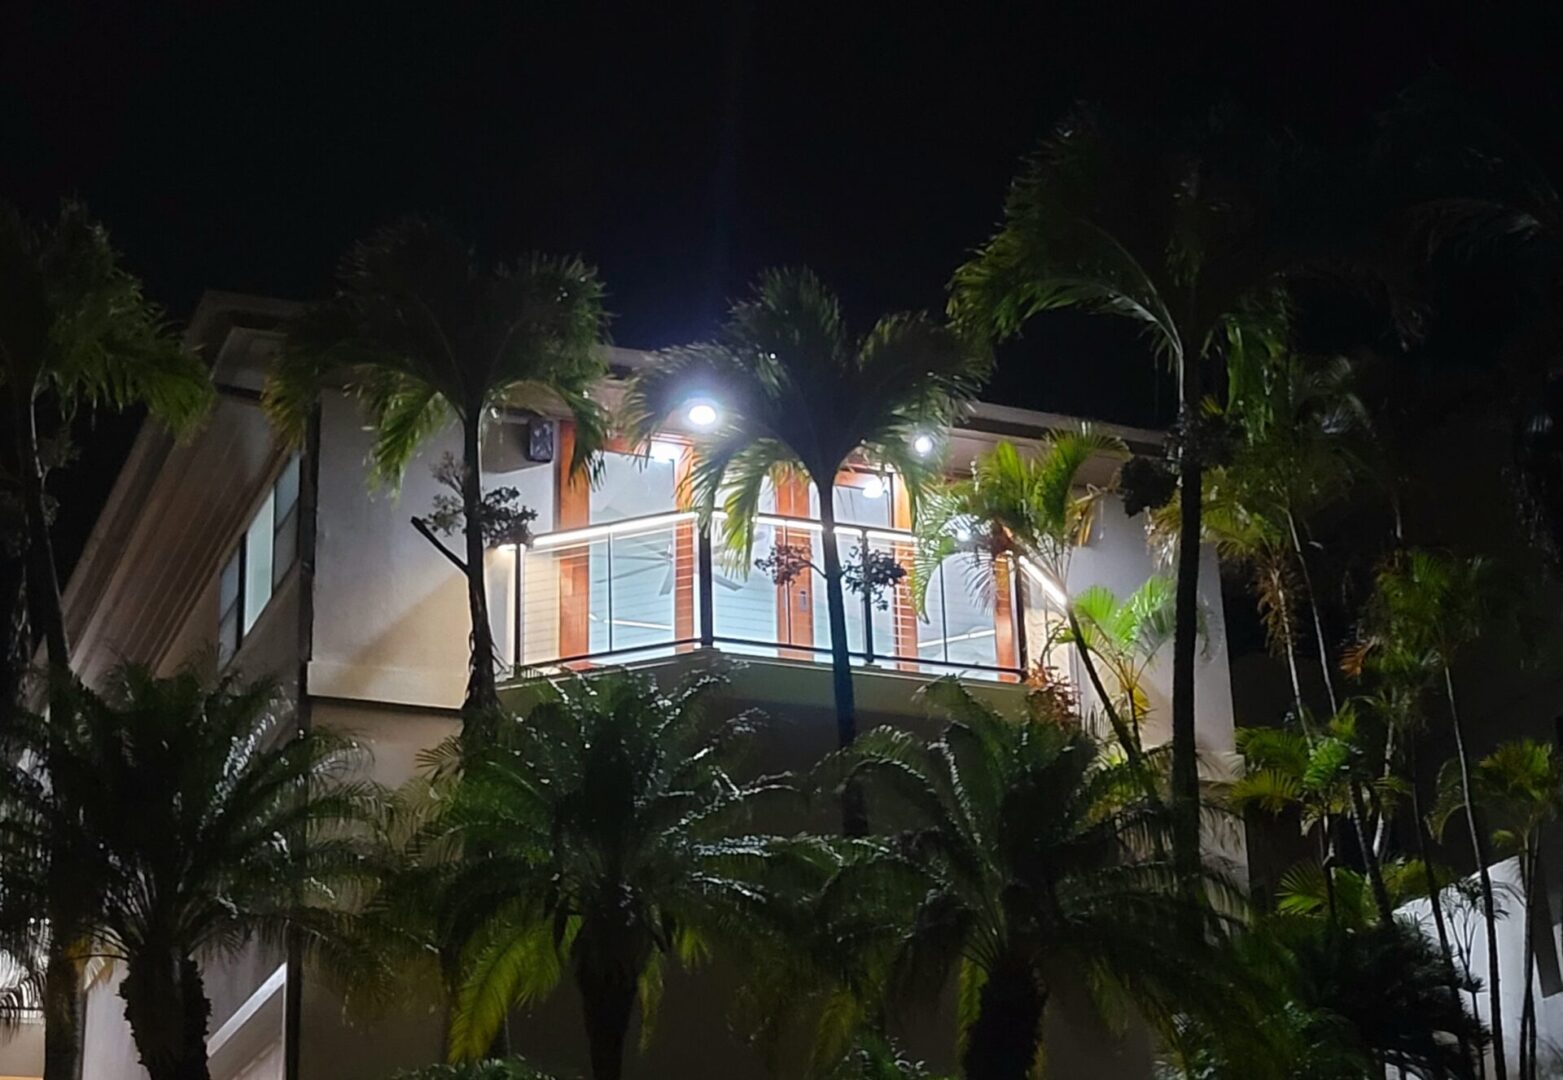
(218, 312)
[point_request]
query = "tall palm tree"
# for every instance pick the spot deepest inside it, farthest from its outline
(422, 331)
(1426, 607)
(799, 395)
(192, 819)
(1024, 507)
(1024, 859)
(594, 837)
(1180, 236)
(75, 330)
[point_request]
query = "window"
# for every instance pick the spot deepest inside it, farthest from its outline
(265, 554)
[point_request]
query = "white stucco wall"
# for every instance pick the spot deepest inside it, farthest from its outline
(391, 618)
(1468, 935)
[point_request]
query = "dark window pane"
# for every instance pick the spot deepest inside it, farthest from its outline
(227, 634)
(228, 585)
(286, 491)
(284, 548)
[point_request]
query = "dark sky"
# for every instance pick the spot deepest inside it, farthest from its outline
(678, 146)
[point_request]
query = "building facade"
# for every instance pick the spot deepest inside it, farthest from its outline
(235, 550)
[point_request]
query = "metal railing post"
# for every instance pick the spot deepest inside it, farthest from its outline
(707, 595)
(1017, 607)
(515, 628)
(868, 601)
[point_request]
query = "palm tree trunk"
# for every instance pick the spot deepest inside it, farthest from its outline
(62, 1013)
(607, 1001)
(1434, 893)
(1528, 1009)
(167, 1009)
(1325, 667)
(482, 697)
(62, 978)
(1386, 911)
(1004, 1040)
(1484, 876)
(1127, 738)
(1185, 760)
(854, 811)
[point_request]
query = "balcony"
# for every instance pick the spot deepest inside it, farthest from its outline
(649, 587)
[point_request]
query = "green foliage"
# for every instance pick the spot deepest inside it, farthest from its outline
(797, 394)
(1032, 505)
(1331, 1004)
(493, 1069)
(1125, 635)
(420, 329)
(188, 819)
(1016, 853)
(874, 1058)
(595, 837)
(76, 324)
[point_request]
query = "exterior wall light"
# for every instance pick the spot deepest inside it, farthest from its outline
(923, 444)
(874, 488)
(701, 415)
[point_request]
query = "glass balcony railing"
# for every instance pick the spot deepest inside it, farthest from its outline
(653, 586)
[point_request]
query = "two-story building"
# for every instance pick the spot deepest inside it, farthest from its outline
(286, 563)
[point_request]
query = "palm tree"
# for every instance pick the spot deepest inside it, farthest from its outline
(75, 330)
(593, 837)
(1016, 508)
(1023, 859)
(1180, 236)
(1520, 787)
(1426, 607)
(1126, 635)
(422, 331)
(192, 819)
(798, 395)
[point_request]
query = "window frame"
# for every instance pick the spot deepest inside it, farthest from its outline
(239, 555)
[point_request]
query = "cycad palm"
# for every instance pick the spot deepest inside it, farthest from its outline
(75, 329)
(191, 819)
(422, 331)
(799, 395)
(1026, 861)
(1181, 238)
(593, 838)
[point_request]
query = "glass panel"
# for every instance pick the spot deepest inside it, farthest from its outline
(285, 548)
(613, 593)
(257, 563)
(286, 490)
(639, 573)
(860, 499)
(744, 601)
(228, 584)
(228, 610)
(633, 486)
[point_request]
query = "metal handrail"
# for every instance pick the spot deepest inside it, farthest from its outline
(705, 615)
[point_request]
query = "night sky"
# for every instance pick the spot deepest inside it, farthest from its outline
(680, 147)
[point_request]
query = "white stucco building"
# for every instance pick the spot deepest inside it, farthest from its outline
(290, 565)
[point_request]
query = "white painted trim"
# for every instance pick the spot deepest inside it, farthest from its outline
(253, 1004)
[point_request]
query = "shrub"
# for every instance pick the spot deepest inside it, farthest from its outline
(507, 1069)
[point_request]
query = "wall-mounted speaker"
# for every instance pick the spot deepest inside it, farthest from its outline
(540, 441)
